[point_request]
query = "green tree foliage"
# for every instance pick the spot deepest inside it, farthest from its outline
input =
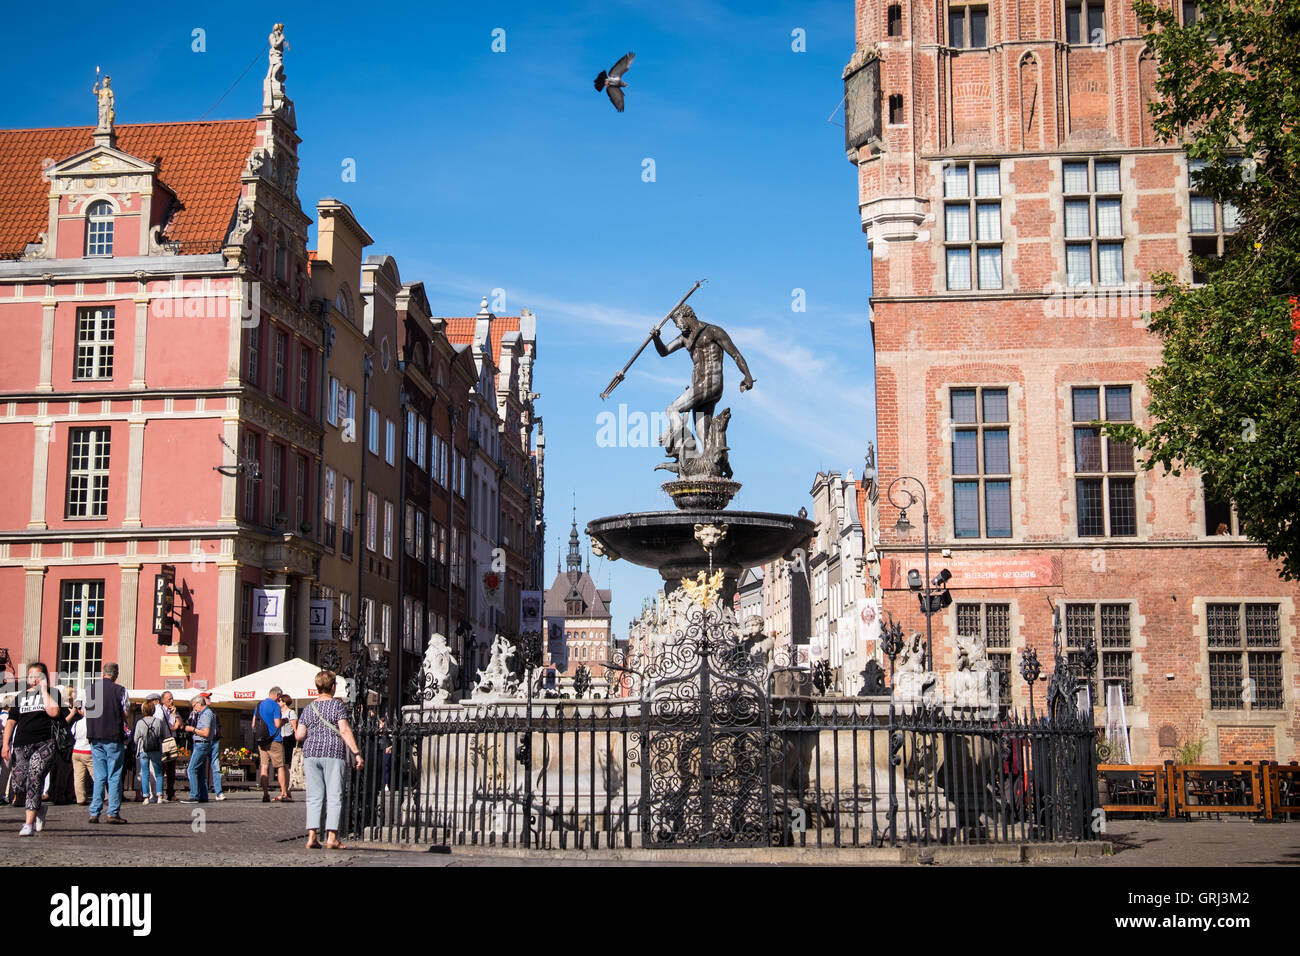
(1225, 399)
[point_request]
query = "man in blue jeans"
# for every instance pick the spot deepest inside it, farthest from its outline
(206, 729)
(106, 706)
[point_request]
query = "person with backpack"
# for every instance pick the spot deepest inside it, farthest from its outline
(30, 741)
(268, 722)
(149, 730)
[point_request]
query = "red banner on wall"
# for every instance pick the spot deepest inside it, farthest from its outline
(979, 570)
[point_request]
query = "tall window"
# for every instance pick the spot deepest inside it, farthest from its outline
(1245, 642)
(896, 116)
(245, 622)
(408, 611)
(1094, 233)
(388, 529)
(253, 354)
(252, 479)
(894, 20)
(411, 433)
(1109, 629)
(421, 445)
(1104, 472)
(390, 441)
(95, 329)
(992, 624)
(408, 530)
(968, 25)
(1212, 222)
(372, 429)
(304, 379)
(368, 619)
(81, 631)
(99, 229)
(277, 481)
(973, 225)
(386, 627)
(417, 628)
(279, 359)
(1191, 12)
(1085, 22)
(372, 520)
(281, 259)
(329, 504)
(1220, 516)
(88, 458)
(348, 517)
(332, 405)
(419, 535)
(981, 449)
(300, 509)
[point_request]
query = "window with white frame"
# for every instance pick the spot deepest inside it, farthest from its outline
(1094, 231)
(95, 330)
(329, 505)
(368, 619)
(972, 225)
(421, 445)
(348, 517)
(1212, 221)
(332, 406)
(372, 431)
(252, 477)
(981, 463)
(88, 460)
(386, 630)
(1105, 476)
(390, 441)
(81, 631)
(388, 529)
(372, 520)
(99, 229)
(277, 481)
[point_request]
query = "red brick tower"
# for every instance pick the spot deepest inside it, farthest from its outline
(1016, 204)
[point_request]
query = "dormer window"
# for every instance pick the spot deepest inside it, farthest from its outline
(99, 229)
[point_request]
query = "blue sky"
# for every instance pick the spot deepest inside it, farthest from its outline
(480, 170)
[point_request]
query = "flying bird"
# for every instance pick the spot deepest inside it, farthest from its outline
(612, 82)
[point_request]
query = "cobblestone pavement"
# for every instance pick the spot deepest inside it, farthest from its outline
(242, 830)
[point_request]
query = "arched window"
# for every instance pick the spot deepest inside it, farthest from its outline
(99, 229)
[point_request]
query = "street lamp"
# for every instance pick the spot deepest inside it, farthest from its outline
(366, 671)
(906, 499)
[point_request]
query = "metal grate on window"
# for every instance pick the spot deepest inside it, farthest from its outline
(1123, 507)
(968, 620)
(1115, 631)
(1118, 667)
(1225, 682)
(1262, 626)
(1079, 624)
(1266, 680)
(1091, 519)
(1222, 628)
(998, 625)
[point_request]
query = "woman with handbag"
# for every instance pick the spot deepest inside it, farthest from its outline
(328, 748)
(31, 736)
(148, 736)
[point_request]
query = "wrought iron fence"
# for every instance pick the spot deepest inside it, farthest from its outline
(600, 774)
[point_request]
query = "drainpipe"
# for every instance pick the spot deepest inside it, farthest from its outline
(367, 369)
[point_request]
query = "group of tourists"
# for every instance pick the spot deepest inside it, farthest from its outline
(91, 735)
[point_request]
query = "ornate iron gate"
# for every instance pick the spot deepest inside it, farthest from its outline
(706, 748)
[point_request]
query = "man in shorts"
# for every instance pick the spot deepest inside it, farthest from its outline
(270, 746)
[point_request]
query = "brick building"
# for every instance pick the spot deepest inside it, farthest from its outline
(588, 622)
(1016, 203)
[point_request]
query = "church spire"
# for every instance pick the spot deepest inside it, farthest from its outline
(574, 561)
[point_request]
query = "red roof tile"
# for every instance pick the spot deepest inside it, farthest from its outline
(460, 331)
(200, 162)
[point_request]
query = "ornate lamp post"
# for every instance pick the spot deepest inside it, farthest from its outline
(1030, 670)
(365, 671)
(902, 527)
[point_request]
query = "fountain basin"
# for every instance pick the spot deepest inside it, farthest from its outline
(665, 541)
